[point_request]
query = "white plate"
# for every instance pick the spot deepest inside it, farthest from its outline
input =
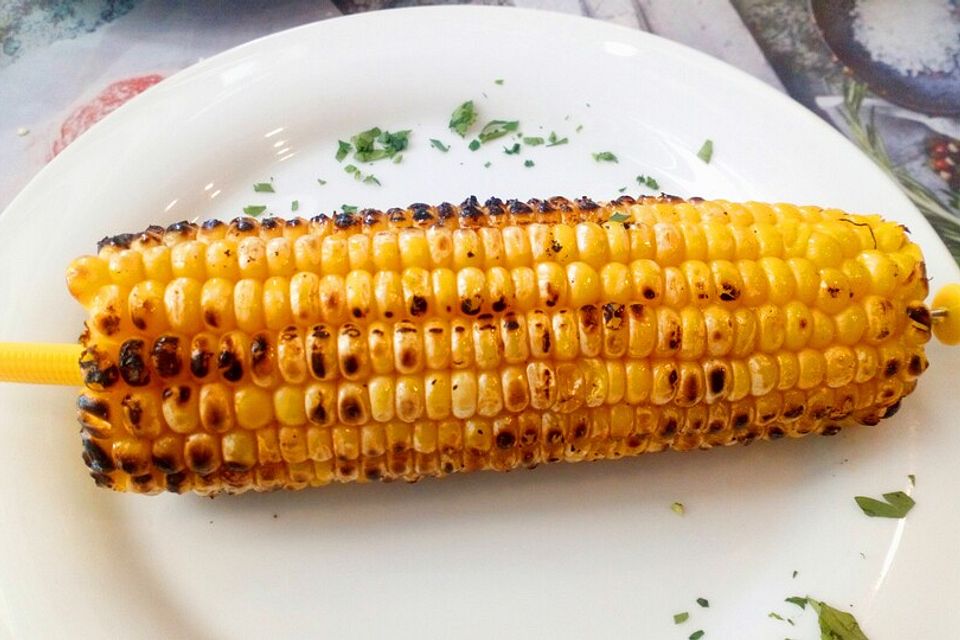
(567, 551)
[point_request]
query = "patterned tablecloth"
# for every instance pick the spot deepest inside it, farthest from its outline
(64, 64)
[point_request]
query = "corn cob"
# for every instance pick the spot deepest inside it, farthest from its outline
(430, 340)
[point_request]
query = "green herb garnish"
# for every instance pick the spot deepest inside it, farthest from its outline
(510, 151)
(436, 144)
(706, 151)
(254, 209)
(897, 505)
(351, 168)
(533, 142)
(797, 600)
(579, 128)
(622, 189)
(497, 129)
(321, 181)
(835, 624)
(619, 217)
(913, 479)
(678, 508)
(554, 141)
(528, 163)
(398, 158)
(605, 156)
(371, 179)
(648, 181)
(498, 81)
(390, 143)
(795, 572)
(343, 149)
(696, 635)
(348, 208)
(680, 618)
(474, 145)
(775, 616)
(703, 602)
(263, 187)
(486, 165)
(463, 118)
(294, 205)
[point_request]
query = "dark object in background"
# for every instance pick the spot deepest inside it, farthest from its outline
(935, 94)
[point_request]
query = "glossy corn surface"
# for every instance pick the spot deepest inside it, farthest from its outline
(429, 340)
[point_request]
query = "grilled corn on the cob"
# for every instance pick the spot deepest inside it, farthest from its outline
(429, 340)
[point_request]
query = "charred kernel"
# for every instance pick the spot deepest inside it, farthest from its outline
(166, 357)
(133, 368)
(96, 458)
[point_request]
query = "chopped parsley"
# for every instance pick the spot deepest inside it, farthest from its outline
(487, 164)
(696, 635)
(678, 508)
(497, 129)
(254, 209)
(528, 163)
(619, 217)
(321, 181)
(703, 602)
(913, 479)
(398, 158)
(680, 618)
(897, 505)
(474, 145)
(348, 208)
(510, 151)
(553, 140)
(579, 128)
(373, 144)
(795, 573)
(343, 149)
(533, 142)
(622, 189)
(797, 600)
(706, 151)
(351, 168)
(648, 181)
(463, 118)
(775, 616)
(605, 156)
(835, 624)
(371, 179)
(436, 144)
(498, 81)
(294, 205)
(263, 187)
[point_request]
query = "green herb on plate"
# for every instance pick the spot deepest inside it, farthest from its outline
(436, 144)
(474, 145)
(348, 208)
(498, 81)
(511, 151)
(703, 602)
(463, 118)
(254, 209)
(648, 181)
(605, 156)
(554, 141)
(294, 205)
(835, 624)
(897, 505)
(680, 618)
(343, 149)
(696, 635)
(371, 179)
(486, 165)
(706, 151)
(321, 181)
(263, 187)
(528, 163)
(497, 129)
(679, 509)
(619, 217)
(775, 616)
(535, 141)
(913, 479)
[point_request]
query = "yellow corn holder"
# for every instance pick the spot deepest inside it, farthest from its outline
(424, 341)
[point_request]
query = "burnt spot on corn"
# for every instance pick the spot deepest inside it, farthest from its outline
(580, 429)
(775, 433)
(729, 292)
(269, 223)
(344, 220)
(200, 457)
(371, 217)
(916, 365)
(672, 378)
(613, 315)
(556, 247)
(920, 316)
(211, 318)
(545, 342)
(166, 462)
(560, 203)
(318, 413)
(243, 224)
(518, 207)
(133, 368)
(259, 351)
(229, 364)
(96, 458)
(200, 362)
(554, 435)
(373, 474)
(794, 412)
(830, 430)
(396, 216)
(586, 204)
(351, 409)
(499, 305)
(471, 306)
(717, 379)
(553, 296)
(715, 426)
(675, 338)
(691, 388)
(445, 211)
(494, 207)
(350, 365)
(175, 481)
(589, 317)
(102, 480)
(108, 323)
(669, 428)
(892, 410)
(93, 406)
(418, 306)
(741, 420)
(133, 410)
(120, 241)
(892, 368)
(165, 356)
(99, 372)
(211, 224)
(408, 358)
(833, 292)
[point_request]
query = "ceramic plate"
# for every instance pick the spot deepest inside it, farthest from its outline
(589, 550)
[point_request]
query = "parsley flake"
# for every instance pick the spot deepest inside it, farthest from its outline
(474, 145)
(398, 159)
(696, 635)
(605, 156)
(498, 81)
(554, 141)
(486, 165)
(533, 142)
(497, 129)
(678, 508)
(528, 163)
(343, 149)
(254, 209)
(835, 624)
(619, 217)
(321, 181)
(436, 144)
(294, 205)
(579, 128)
(373, 144)
(348, 208)
(775, 616)
(797, 600)
(351, 168)
(706, 151)
(622, 190)
(703, 602)
(680, 618)
(795, 573)
(263, 187)
(510, 151)
(913, 479)
(463, 118)
(371, 179)
(897, 505)
(648, 181)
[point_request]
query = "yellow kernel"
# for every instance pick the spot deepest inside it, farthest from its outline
(248, 305)
(252, 258)
(583, 284)
(223, 260)
(253, 407)
(334, 255)
(182, 302)
(188, 260)
(289, 405)
(781, 286)
(467, 249)
(126, 267)
(216, 303)
(276, 303)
